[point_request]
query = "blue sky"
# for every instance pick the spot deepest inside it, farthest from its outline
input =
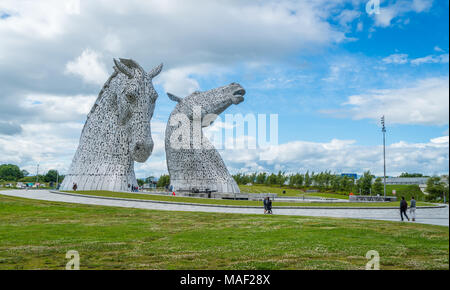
(327, 68)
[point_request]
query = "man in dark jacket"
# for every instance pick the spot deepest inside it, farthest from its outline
(403, 208)
(266, 204)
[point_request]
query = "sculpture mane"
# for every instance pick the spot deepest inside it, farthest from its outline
(194, 164)
(117, 131)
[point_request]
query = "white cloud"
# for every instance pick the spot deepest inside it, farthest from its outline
(178, 81)
(89, 67)
(344, 156)
(443, 58)
(360, 26)
(52, 108)
(424, 102)
(34, 19)
(399, 58)
(112, 43)
(346, 17)
(399, 8)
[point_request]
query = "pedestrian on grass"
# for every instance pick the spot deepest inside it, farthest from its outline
(74, 187)
(403, 208)
(412, 209)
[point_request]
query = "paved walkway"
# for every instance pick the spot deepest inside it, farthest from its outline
(435, 216)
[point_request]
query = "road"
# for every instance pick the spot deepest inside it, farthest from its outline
(435, 216)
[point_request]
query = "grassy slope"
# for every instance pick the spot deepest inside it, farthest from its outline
(407, 191)
(36, 235)
(402, 190)
(257, 188)
(235, 202)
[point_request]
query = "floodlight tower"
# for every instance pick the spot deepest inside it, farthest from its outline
(383, 129)
(37, 173)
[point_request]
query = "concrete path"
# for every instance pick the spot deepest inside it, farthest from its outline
(435, 216)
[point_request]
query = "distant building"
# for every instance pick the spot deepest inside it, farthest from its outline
(350, 175)
(406, 180)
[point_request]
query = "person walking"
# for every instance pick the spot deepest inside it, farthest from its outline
(266, 204)
(269, 206)
(403, 208)
(75, 186)
(412, 209)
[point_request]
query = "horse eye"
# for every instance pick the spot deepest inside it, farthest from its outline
(131, 97)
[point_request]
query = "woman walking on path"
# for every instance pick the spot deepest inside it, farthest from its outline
(403, 208)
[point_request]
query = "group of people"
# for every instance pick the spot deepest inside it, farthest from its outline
(404, 208)
(133, 188)
(267, 205)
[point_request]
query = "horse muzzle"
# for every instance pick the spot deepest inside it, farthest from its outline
(141, 150)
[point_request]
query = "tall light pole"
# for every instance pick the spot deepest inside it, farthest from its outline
(57, 175)
(37, 174)
(383, 129)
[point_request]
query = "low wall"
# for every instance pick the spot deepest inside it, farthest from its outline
(369, 198)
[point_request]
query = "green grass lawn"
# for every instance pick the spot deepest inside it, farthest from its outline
(407, 191)
(258, 188)
(401, 190)
(236, 202)
(37, 234)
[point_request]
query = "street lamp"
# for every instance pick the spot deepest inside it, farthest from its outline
(37, 174)
(57, 175)
(383, 129)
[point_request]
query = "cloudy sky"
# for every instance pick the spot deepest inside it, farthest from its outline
(328, 68)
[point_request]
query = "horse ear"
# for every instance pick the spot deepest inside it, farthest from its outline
(154, 72)
(131, 64)
(174, 98)
(123, 68)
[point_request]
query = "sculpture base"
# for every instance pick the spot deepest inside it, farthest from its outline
(103, 182)
(203, 186)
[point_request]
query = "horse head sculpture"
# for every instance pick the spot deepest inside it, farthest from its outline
(201, 168)
(117, 131)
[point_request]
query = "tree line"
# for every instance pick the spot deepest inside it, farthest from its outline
(12, 173)
(323, 181)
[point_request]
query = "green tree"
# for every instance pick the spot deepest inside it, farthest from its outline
(366, 182)
(377, 186)
(51, 176)
(163, 181)
(437, 189)
(140, 181)
(271, 179)
(307, 180)
(347, 184)
(335, 182)
(281, 178)
(261, 178)
(406, 174)
(296, 180)
(10, 172)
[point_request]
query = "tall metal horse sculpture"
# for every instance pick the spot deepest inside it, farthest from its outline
(193, 162)
(117, 131)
